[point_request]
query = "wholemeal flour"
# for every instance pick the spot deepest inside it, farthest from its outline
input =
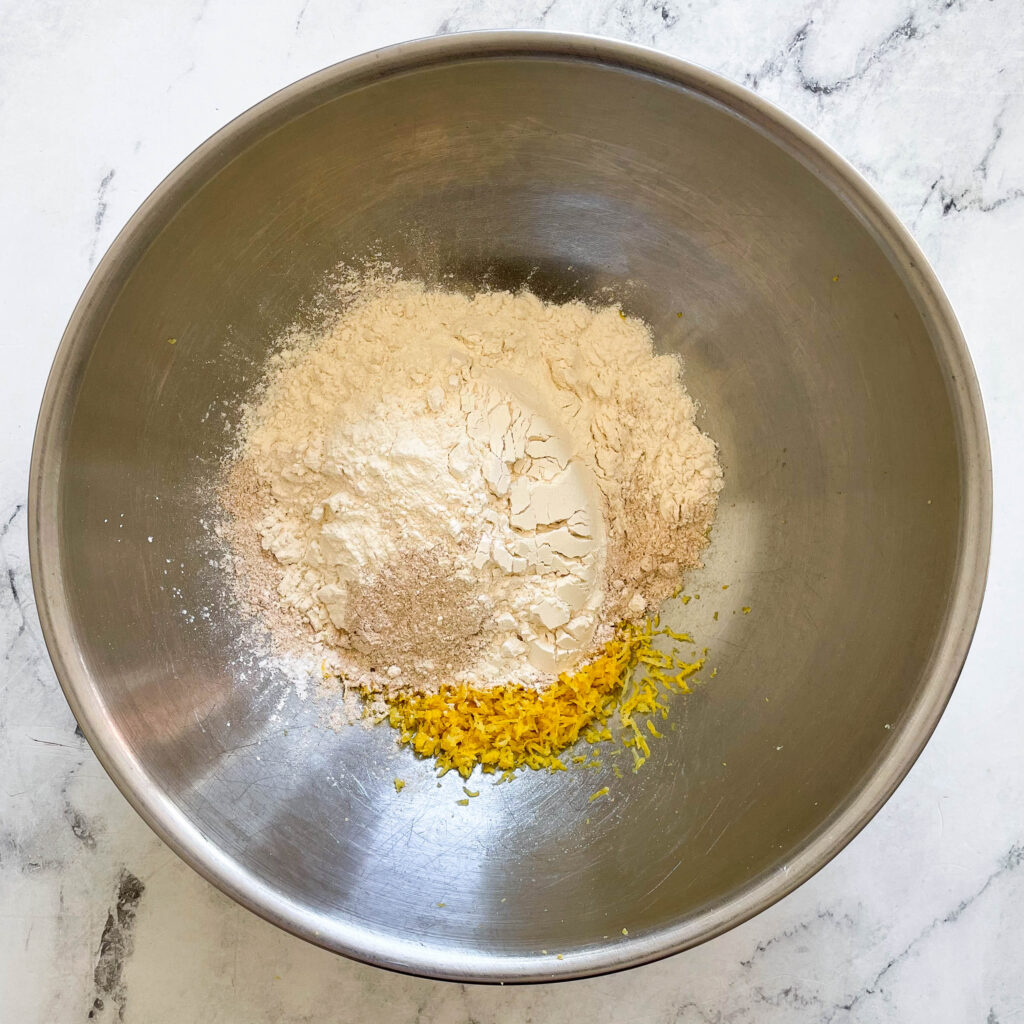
(472, 489)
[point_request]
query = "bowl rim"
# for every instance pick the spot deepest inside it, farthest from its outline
(940, 673)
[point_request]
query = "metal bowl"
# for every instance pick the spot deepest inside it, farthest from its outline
(855, 523)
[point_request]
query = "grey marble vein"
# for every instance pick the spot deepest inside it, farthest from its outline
(973, 196)
(1009, 863)
(301, 15)
(115, 947)
(792, 57)
(800, 932)
(101, 212)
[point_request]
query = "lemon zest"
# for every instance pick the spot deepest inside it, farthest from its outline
(503, 729)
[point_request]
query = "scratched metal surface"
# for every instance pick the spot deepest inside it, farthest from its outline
(854, 523)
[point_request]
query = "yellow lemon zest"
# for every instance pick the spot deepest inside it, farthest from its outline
(507, 728)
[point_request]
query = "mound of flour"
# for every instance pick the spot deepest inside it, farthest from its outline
(446, 488)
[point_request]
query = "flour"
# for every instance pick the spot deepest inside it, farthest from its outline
(471, 489)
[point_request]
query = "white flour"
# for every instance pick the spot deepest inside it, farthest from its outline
(473, 489)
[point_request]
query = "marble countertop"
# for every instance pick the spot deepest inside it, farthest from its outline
(918, 920)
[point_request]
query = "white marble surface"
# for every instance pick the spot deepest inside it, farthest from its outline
(919, 920)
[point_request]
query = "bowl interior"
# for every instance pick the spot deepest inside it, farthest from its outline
(840, 526)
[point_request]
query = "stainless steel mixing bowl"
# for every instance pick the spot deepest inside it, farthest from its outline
(855, 524)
